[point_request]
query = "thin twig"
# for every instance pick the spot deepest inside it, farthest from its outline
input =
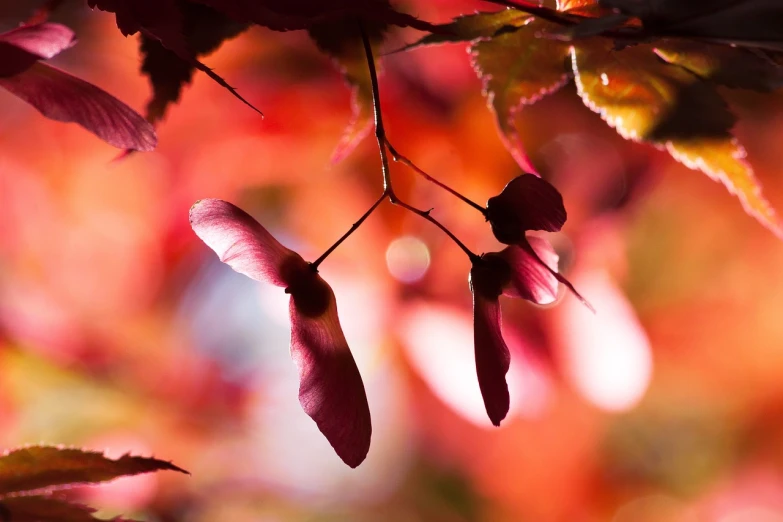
(380, 135)
(426, 215)
(396, 156)
(314, 264)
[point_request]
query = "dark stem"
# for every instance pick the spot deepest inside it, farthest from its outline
(353, 228)
(380, 135)
(426, 215)
(396, 156)
(380, 132)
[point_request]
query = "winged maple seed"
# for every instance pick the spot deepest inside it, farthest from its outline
(62, 97)
(528, 203)
(526, 269)
(29, 475)
(331, 391)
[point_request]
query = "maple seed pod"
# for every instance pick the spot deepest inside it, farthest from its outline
(62, 97)
(526, 271)
(310, 296)
(331, 390)
(487, 277)
(527, 202)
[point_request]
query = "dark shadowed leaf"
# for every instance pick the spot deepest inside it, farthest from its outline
(160, 17)
(593, 26)
(331, 390)
(204, 30)
(471, 27)
(516, 69)
(36, 508)
(302, 14)
(666, 11)
(492, 356)
(242, 243)
(38, 467)
(161, 20)
(730, 66)
(62, 97)
(645, 99)
(342, 41)
(753, 23)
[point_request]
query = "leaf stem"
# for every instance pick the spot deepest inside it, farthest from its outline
(426, 215)
(314, 264)
(383, 142)
(396, 156)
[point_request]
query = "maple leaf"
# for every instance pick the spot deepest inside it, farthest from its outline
(645, 99)
(753, 23)
(204, 30)
(593, 20)
(730, 66)
(27, 472)
(43, 467)
(189, 29)
(302, 14)
(164, 21)
(62, 97)
(516, 69)
(471, 27)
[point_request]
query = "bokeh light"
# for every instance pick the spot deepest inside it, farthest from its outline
(408, 259)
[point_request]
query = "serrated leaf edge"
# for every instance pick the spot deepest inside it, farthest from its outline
(766, 218)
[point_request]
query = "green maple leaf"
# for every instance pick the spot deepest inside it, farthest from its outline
(648, 100)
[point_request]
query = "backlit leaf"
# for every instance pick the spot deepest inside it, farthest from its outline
(645, 99)
(517, 69)
(730, 66)
(38, 467)
(471, 27)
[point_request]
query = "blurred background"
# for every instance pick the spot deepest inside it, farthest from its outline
(120, 330)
